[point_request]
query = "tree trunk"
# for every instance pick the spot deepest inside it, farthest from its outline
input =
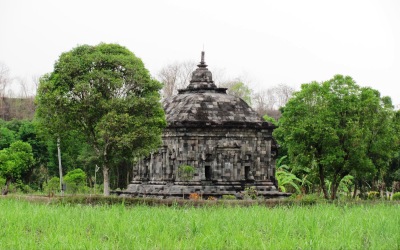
(334, 189)
(322, 182)
(106, 180)
(355, 190)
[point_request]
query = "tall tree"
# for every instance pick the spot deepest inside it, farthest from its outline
(337, 128)
(106, 93)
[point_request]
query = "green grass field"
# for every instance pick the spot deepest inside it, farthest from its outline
(25, 225)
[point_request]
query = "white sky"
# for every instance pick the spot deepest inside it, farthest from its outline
(268, 42)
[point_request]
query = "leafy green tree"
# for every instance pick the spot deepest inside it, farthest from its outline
(53, 185)
(105, 93)
(14, 161)
(337, 128)
(270, 119)
(239, 89)
(76, 180)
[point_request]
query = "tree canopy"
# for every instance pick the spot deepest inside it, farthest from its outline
(105, 93)
(14, 161)
(239, 89)
(338, 128)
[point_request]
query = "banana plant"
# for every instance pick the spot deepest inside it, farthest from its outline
(285, 177)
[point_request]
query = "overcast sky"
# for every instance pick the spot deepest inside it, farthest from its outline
(266, 42)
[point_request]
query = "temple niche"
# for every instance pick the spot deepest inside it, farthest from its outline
(229, 146)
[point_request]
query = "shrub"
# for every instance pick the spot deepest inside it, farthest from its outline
(309, 199)
(228, 197)
(211, 198)
(250, 193)
(373, 195)
(26, 189)
(76, 181)
(396, 196)
(52, 186)
(186, 172)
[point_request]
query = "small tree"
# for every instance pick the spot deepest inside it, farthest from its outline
(76, 180)
(53, 185)
(14, 161)
(186, 172)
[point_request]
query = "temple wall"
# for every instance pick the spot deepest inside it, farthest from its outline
(217, 154)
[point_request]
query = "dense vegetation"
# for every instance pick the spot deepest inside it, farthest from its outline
(336, 129)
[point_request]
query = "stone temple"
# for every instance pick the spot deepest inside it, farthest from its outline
(229, 146)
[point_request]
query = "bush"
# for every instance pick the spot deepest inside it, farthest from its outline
(228, 197)
(373, 195)
(186, 172)
(396, 196)
(211, 198)
(52, 186)
(250, 193)
(76, 181)
(26, 189)
(310, 199)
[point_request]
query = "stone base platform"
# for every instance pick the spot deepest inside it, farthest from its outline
(204, 188)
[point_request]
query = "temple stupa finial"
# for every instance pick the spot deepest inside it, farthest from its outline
(202, 63)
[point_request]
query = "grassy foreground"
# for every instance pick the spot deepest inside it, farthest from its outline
(25, 225)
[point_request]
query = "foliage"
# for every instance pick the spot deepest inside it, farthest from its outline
(186, 172)
(285, 178)
(340, 129)
(345, 184)
(396, 196)
(7, 137)
(53, 185)
(373, 195)
(2, 181)
(228, 197)
(105, 93)
(239, 89)
(308, 199)
(15, 160)
(250, 193)
(270, 119)
(75, 180)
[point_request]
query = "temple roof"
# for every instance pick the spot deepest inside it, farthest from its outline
(202, 103)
